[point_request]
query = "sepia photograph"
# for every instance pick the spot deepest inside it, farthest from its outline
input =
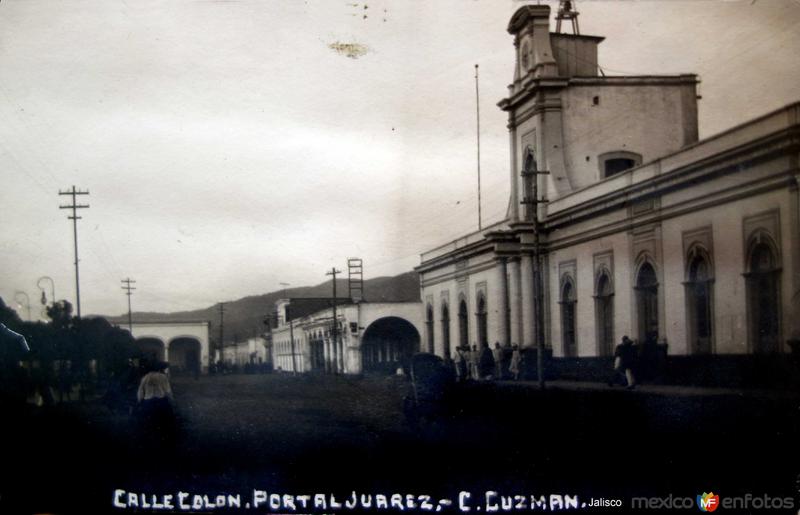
(387, 256)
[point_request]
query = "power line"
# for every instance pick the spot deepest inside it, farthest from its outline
(75, 206)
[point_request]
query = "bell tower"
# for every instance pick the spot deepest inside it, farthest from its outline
(530, 27)
(578, 124)
(566, 11)
(534, 106)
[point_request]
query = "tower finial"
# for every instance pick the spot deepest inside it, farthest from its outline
(566, 11)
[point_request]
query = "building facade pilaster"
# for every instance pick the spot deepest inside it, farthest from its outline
(515, 301)
(502, 308)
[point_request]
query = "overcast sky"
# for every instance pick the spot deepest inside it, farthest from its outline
(229, 146)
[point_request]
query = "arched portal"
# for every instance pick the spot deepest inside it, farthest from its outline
(763, 295)
(699, 302)
(184, 356)
(647, 303)
(387, 344)
(604, 309)
(568, 319)
(463, 325)
(151, 348)
(446, 329)
(480, 318)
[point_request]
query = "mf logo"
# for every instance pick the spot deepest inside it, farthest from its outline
(708, 501)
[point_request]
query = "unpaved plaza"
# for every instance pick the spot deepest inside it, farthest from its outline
(306, 435)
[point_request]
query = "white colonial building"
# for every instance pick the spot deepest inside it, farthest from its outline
(184, 344)
(368, 336)
(251, 351)
(647, 232)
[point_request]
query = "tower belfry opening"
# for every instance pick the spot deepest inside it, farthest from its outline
(566, 11)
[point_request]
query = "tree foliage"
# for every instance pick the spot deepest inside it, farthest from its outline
(79, 341)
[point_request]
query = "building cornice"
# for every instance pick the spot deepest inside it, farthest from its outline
(453, 276)
(528, 87)
(722, 163)
(742, 191)
(734, 158)
(171, 322)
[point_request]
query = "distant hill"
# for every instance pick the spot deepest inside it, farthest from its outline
(245, 317)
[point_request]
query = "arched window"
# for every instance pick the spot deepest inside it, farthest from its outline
(528, 176)
(699, 298)
(568, 300)
(480, 318)
(429, 327)
(604, 311)
(763, 295)
(463, 324)
(446, 330)
(647, 303)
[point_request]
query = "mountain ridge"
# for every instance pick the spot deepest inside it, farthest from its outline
(244, 317)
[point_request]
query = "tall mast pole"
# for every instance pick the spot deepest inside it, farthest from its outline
(478, 115)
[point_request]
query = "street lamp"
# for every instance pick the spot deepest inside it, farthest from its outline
(44, 295)
(52, 288)
(26, 303)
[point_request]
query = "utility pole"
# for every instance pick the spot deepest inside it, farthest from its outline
(129, 291)
(291, 337)
(221, 328)
(291, 326)
(74, 207)
(478, 113)
(337, 351)
(531, 174)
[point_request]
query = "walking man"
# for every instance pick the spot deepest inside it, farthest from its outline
(624, 361)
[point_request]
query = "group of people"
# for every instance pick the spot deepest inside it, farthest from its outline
(502, 362)
(505, 362)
